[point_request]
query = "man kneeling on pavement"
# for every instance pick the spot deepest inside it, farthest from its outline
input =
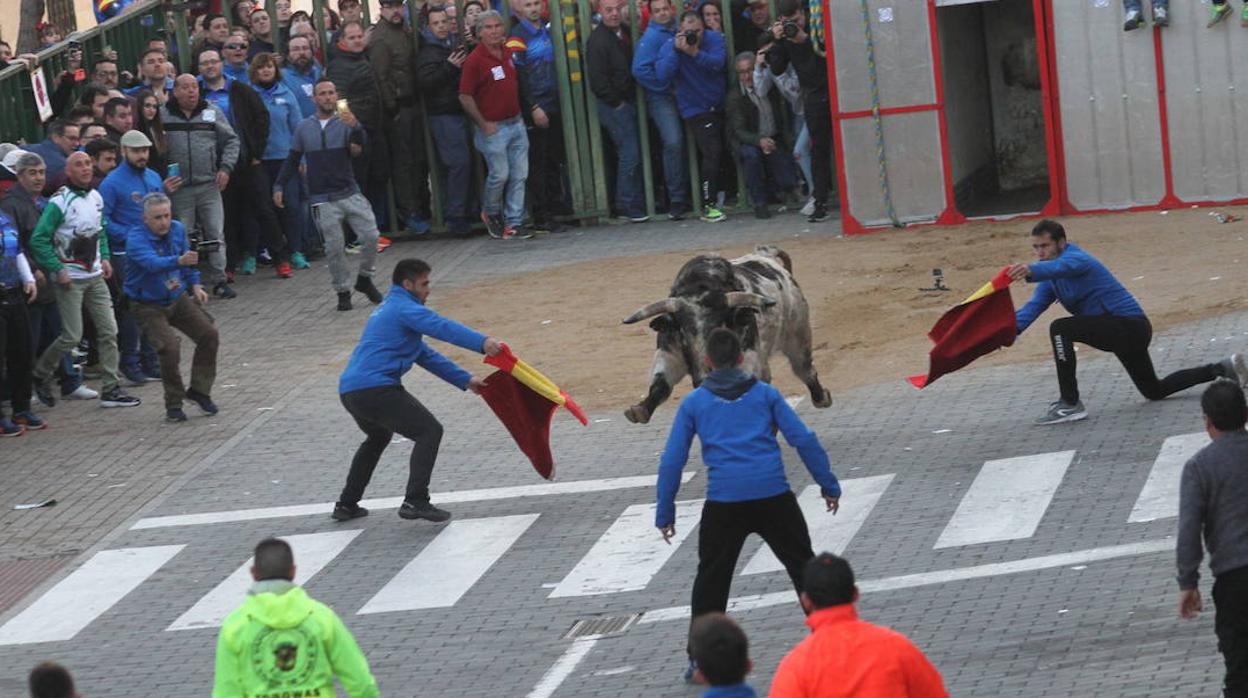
(163, 283)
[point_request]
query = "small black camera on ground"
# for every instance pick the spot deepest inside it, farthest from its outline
(789, 28)
(691, 38)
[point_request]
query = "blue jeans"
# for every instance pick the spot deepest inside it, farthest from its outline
(759, 167)
(801, 150)
(1129, 5)
(506, 156)
(450, 137)
(621, 126)
(666, 117)
(294, 211)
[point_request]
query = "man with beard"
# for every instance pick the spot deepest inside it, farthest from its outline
(533, 52)
(302, 72)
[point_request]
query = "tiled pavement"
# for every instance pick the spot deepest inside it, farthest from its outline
(1104, 628)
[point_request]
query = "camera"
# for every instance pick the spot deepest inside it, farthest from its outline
(789, 28)
(691, 38)
(198, 243)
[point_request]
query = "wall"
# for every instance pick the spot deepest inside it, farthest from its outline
(967, 104)
(1017, 106)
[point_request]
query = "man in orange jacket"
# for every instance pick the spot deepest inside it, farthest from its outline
(844, 656)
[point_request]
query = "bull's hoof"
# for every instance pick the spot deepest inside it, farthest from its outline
(826, 400)
(637, 414)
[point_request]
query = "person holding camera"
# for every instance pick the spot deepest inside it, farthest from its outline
(694, 61)
(164, 285)
(793, 47)
(439, 64)
(661, 105)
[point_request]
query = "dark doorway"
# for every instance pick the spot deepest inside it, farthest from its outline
(994, 107)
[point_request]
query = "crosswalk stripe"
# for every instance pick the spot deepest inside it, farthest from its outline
(629, 554)
(312, 552)
(481, 495)
(450, 565)
(1007, 499)
(1160, 497)
(827, 532)
(86, 594)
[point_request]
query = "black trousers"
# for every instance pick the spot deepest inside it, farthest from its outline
(708, 133)
(16, 357)
(381, 413)
(250, 217)
(818, 116)
(405, 134)
(546, 157)
(1230, 600)
(1128, 339)
(724, 528)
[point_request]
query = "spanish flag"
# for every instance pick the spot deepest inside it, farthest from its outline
(980, 324)
(525, 402)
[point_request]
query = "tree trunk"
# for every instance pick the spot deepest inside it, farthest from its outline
(27, 37)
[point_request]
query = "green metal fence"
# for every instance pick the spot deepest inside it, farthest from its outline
(127, 34)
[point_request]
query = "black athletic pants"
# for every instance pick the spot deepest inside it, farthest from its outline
(381, 413)
(1128, 339)
(1230, 600)
(16, 357)
(725, 525)
(818, 116)
(546, 157)
(708, 133)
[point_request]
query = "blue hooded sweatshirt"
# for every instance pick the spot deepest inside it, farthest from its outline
(393, 341)
(284, 118)
(1081, 284)
(152, 272)
(699, 79)
(647, 54)
(735, 415)
(123, 191)
(301, 85)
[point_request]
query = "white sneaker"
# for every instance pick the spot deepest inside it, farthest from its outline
(82, 392)
(809, 208)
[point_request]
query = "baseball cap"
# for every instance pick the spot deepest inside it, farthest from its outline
(11, 156)
(135, 139)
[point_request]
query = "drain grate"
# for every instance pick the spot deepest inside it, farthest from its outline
(600, 626)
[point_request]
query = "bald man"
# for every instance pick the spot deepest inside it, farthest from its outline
(70, 246)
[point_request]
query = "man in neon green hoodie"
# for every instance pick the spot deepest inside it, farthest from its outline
(283, 644)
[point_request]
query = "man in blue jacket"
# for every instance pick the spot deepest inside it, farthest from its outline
(694, 60)
(533, 53)
(371, 389)
(163, 284)
(1103, 315)
(736, 417)
(661, 105)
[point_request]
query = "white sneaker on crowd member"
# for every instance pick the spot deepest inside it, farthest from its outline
(82, 392)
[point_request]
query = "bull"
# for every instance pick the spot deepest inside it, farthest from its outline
(755, 296)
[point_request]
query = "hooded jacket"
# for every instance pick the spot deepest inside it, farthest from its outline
(284, 116)
(393, 340)
(123, 191)
(392, 53)
(735, 415)
(357, 83)
(302, 85)
(647, 54)
(436, 79)
(699, 79)
(845, 656)
(71, 234)
(533, 53)
(280, 642)
(202, 144)
(152, 271)
(608, 57)
(328, 153)
(1081, 284)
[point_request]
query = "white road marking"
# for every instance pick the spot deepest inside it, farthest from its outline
(312, 552)
(86, 594)
(489, 494)
(450, 565)
(562, 669)
(629, 554)
(1160, 497)
(827, 532)
(909, 581)
(1007, 499)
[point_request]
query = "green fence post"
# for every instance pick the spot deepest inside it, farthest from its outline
(567, 106)
(643, 121)
(601, 195)
(183, 39)
(743, 197)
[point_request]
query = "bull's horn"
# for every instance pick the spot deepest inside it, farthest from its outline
(741, 299)
(667, 305)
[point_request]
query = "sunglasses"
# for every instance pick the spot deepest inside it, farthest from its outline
(236, 47)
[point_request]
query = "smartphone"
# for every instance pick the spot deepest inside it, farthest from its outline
(343, 107)
(175, 170)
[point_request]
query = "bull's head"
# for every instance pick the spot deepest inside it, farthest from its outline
(683, 323)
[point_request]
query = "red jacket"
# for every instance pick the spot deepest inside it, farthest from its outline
(845, 657)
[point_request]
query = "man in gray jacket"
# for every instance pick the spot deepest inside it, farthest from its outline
(205, 149)
(1213, 502)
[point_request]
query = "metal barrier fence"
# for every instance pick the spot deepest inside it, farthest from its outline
(571, 23)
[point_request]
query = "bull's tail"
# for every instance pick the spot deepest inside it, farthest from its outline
(773, 251)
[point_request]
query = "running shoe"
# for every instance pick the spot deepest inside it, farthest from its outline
(1062, 411)
(493, 224)
(710, 214)
(298, 261)
(1134, 20)
(30, 420)
(514, 232)
(1217, 13)
(284, 271)
(1161, 17)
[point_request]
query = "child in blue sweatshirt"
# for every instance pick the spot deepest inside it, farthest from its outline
(736, 417)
